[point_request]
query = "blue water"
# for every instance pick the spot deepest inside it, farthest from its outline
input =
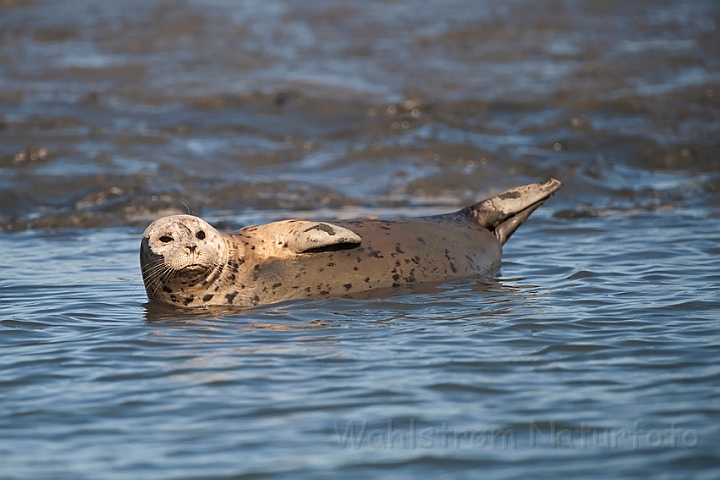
(589, 326)
(595, 352)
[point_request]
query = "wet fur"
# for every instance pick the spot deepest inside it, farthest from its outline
(279, 261)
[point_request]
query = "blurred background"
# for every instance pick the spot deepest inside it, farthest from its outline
(114, 113)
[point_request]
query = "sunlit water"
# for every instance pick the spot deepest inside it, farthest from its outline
(586, 327)
(594, 353)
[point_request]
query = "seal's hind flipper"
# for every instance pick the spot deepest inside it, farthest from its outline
(504, 213)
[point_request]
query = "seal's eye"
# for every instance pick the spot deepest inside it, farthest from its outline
(166, 239)
(200, 235)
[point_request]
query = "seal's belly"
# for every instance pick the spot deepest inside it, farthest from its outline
(393, 253)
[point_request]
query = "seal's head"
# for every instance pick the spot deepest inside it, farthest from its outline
(179, 252)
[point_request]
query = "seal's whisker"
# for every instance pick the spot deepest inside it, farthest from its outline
(161, 272)
(152, 278)
(155, 274)
(135, 284)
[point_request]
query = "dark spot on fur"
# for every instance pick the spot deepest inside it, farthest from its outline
(397, 263)
(331, 264)
(276, 285)
(359, 259)
(188, 300)
(416, 260)
(356, 268)
(230, 297)
(450, 259)
(396, 277)
(374, 253)
(307, 289)
(208, 297)
(167, 289)
(324, 292)
(322, 227)
(398, 249)
(173, 298)
(411, 277)
(256, 300)
(384, 227)
(231, 277)
(396, 284)
(421, 240)
(508, 195)
(348, 286)
(367, 279)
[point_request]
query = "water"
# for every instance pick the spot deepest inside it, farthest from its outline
(594, 353)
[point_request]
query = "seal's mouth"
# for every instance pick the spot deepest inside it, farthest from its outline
(193, 268)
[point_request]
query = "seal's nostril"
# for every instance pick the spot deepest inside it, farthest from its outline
(192, 248)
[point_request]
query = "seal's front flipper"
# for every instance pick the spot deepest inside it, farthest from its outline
(300, 236)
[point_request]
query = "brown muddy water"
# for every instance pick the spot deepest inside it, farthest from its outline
(595, 352)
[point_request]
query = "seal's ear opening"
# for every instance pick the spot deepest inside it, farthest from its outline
(504, 213)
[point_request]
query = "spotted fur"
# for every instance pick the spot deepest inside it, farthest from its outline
(187, 262)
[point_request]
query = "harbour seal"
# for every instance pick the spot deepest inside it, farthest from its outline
(186, 262)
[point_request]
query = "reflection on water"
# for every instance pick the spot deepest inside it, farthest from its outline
(603, 318)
